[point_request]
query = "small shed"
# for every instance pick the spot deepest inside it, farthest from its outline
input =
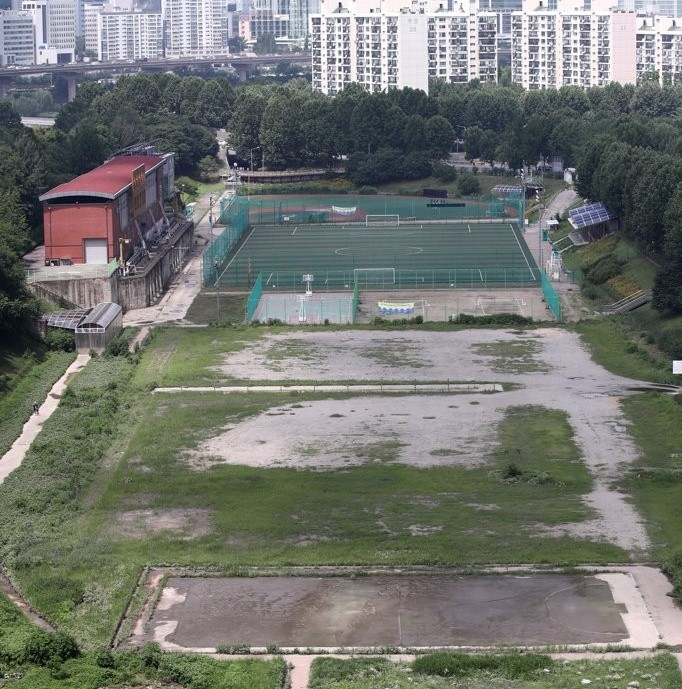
(99, 327)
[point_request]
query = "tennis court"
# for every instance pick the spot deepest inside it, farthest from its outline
(465, 254)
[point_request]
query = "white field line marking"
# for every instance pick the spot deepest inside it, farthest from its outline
(235, 256)
(530, 270)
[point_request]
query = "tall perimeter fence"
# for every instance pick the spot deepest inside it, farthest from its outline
(551, 296)
(318, 209)
(239, 213)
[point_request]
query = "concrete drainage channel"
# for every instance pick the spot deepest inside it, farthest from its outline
(381, 388)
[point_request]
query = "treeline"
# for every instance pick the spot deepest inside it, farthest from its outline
(625, 141)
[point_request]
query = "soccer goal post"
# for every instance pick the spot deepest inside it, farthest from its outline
(382, 220)
(374, 276)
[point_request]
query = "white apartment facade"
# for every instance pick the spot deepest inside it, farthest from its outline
(91, 12)
(572, 46)
(658, 47)
(17, 40)
(195, 27)
(129, 35)
(397, 43)
(463, 45)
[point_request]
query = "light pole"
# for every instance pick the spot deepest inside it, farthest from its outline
(457, 140)
(255, 148)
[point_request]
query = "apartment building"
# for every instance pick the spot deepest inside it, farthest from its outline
(55, 29)
(397, 43)
(462, 46)
(566, 45)
(658, 48)
(125, 34)
(195, 27)
(17, 41)
(91, 12)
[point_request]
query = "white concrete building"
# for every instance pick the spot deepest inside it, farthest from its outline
(658, 47)
(398, 43)
(463, 45)
(54, 23)
(570, 45)
(17, 40)
(91, 11)
(195, 27)
(127, 34)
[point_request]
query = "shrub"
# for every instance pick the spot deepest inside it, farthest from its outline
(672, 568)
(516, 666)
(605, 268)
(117, 347)
(151, 655)
(60, 341)
(367, 191)
(468, 185)
(444, 173)
(43, 648)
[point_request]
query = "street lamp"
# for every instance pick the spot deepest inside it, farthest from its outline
(457, 140)
(255, 148)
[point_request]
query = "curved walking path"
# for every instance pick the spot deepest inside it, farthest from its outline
(15, 455)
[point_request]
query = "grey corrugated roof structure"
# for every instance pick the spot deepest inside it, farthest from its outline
(100, 316)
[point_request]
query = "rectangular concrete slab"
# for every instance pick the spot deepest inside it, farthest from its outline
(405, 611)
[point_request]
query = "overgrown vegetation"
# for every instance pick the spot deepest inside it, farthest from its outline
(655, 481)
(33, 659)
(28, 379)
(484, 671)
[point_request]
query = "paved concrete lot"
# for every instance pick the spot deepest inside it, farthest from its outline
(407, 611)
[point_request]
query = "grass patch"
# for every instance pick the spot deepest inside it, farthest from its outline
(204, 309)
(29, 668)
(614, 347)
(31, 381)
(512, 357)
(527, 671)
(188, 356)
(655, 481)
(15, 630)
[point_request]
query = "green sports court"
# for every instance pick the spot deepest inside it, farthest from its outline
(388, 255)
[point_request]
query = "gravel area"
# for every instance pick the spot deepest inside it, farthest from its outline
(549, 367)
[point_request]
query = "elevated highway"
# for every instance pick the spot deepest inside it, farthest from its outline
(71, 71)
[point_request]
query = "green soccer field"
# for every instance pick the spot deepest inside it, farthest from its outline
(466, 255)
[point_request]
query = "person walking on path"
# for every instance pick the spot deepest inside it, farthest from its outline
(36, 408)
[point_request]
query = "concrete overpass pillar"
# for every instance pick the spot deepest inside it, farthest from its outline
(4, 87)
(70, 87)
(242, 71)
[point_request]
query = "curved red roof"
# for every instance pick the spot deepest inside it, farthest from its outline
(106, 181)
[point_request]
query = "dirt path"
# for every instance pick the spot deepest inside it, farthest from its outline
(15, 455)
(11, 593)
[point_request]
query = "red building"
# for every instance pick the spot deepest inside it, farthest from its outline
(108, 211)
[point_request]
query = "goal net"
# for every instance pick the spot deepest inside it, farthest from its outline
(382, 220)
(374, 276)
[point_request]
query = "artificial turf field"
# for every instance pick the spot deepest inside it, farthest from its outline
(464, 254)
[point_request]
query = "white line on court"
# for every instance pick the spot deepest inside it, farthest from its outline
(236, 253)
(267, 282)
(294, 232)
(530, 270)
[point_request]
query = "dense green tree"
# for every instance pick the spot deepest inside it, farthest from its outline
(245, 123)
(414, 134)
(280, 133)
(440, 135)
(213, 105)
(90, 144)
(468, 184)
(139, 92)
